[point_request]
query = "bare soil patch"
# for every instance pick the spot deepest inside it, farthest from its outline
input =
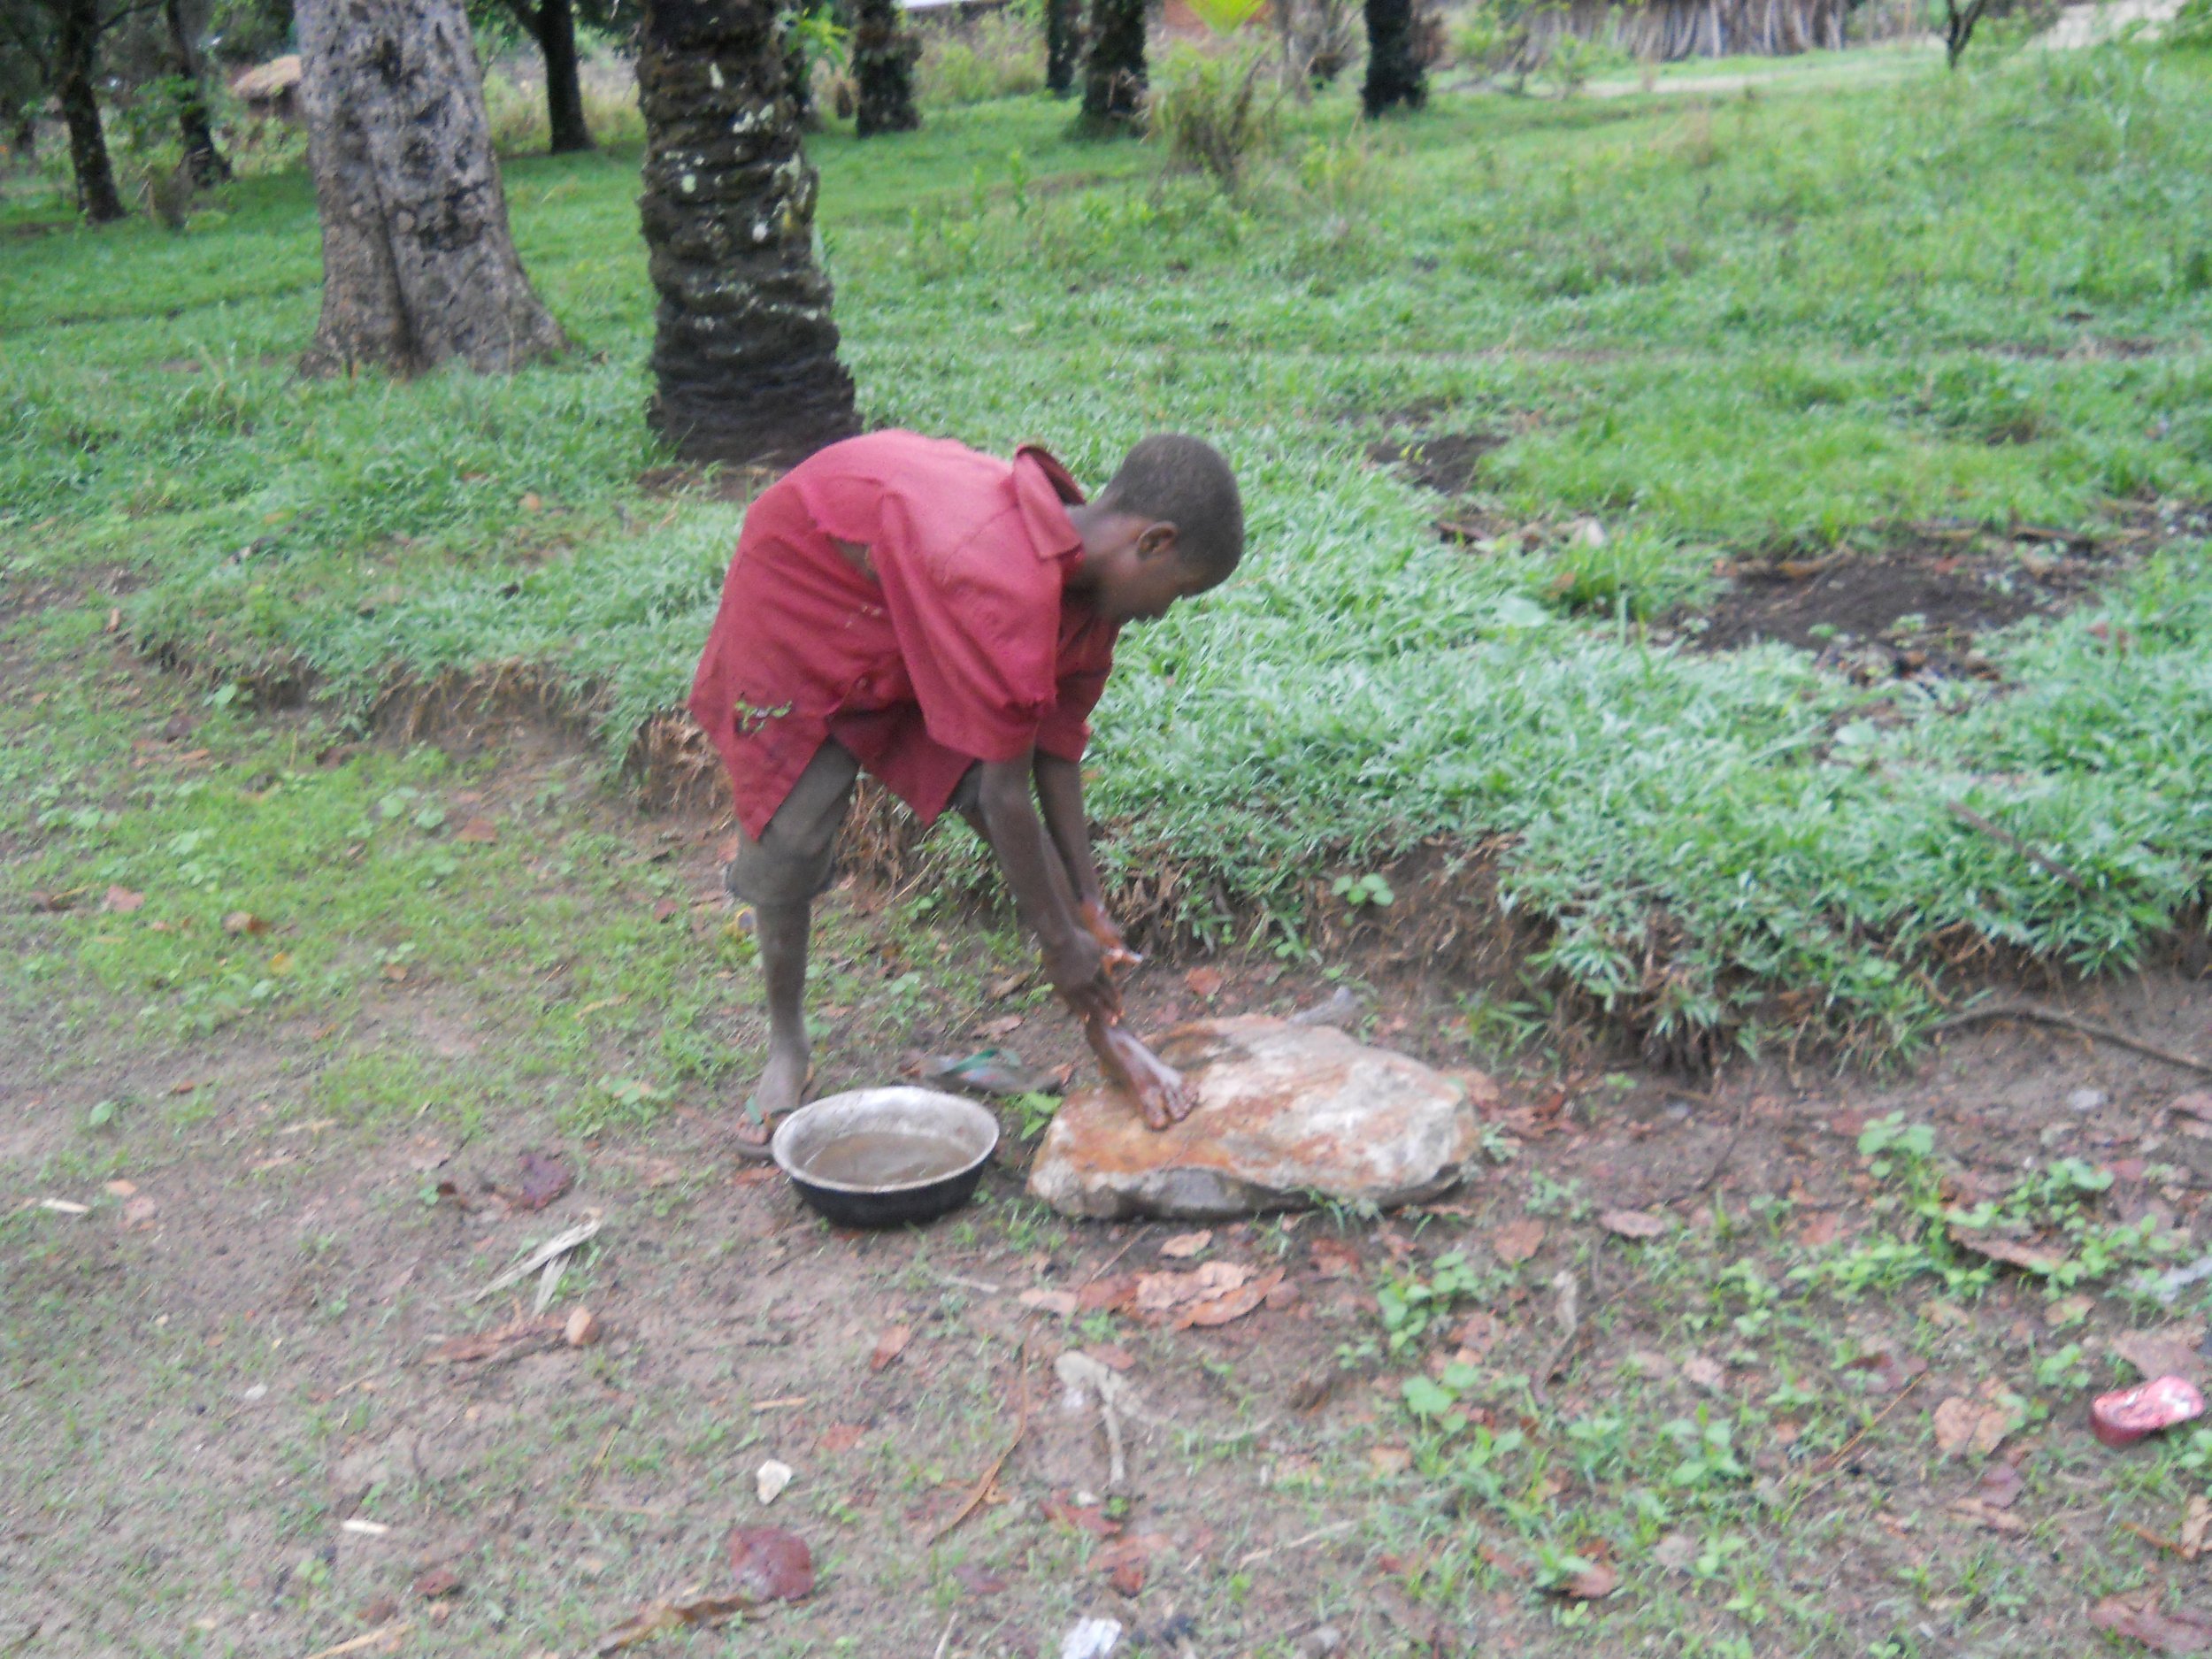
(1446, 462)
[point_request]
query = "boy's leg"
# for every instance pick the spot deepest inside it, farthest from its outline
(779, 875)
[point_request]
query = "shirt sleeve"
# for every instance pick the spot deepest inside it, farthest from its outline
(1066, 730)
(978, 626)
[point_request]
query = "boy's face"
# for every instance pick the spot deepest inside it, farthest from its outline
(1138, 578)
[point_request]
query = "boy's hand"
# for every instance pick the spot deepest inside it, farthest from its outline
(1119, 959)
(1076, 965)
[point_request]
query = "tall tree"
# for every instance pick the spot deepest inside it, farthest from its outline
(419, 265)
(552, 24)
(1114, 67)
(744, 351)
(202, 159)
(884, 51)
(1063, 45)
(1397, 63)
(61, 38)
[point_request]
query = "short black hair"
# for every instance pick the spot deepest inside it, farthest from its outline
(1185, 482)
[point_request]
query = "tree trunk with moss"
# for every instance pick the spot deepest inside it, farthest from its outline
(76, 54)
(1063, 45)
(202, 159)
(1114, 67)
(883, 68)
(744, 353)
(1397, 70)
(419, 265)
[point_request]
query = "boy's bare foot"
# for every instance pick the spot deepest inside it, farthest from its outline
(781, 1088)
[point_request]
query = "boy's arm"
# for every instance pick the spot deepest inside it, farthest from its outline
(1060, 793)
(1074, 960)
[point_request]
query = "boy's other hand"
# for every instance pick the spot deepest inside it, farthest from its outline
(1077, 967)
(1119, 959)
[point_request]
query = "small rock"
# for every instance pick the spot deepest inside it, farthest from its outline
(1321, 1641)
(1091, 1638)
(582, 1329)
(1286, 1115)
(770, 1479)
(2087, 1100)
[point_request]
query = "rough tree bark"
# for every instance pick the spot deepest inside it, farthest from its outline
(884, 51)
(76, 53)
(419, 265)
(202, 160)
(552, 24)
(25, 143)
(744, 352)
(1397, 73)
(1114, 67)
(1063, 45)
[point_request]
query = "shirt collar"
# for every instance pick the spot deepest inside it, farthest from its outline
(1045, 490)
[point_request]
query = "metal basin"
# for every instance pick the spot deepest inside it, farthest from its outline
(884, 1157)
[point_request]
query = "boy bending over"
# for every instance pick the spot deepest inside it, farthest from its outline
(945, 620)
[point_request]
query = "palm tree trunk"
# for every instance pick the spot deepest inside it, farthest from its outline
(76, 49)
(883, 68)
(564, 91)
(1395, 74)
(419, 265)
(1114, 68)
(744, 353)
(202, 159)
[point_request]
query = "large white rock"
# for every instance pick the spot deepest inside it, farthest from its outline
(1287, 1116)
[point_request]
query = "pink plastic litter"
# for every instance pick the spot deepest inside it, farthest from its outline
(2125, 1416)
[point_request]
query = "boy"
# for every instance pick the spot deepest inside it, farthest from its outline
(945, 620)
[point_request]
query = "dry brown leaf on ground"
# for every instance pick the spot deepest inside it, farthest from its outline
(771, 1564)
(1632, 1224)
(1982, 1513)
(122, 901)
(1593, 1583)
(1084, 1517)
(509, 1341)
(1820, 1230)
(1232, 1304)
(1389, 1460)
(2020, 1253)
(1705, 1372)
(1516, 1241)
(1060, 1303)
(2138, 1618)
(1186, 1245)
(1116, 1295)
(1164, 1292)
(1004, 1025)
(544, 1179)
(1125, 1560)
(1999, 1486)
(842, 1437)
(696, 1611)
(1111, 1358)
(2196, 1521)
(244, 921)
(1333, 1258)
(979, 1578)
(477, 832)
(138, 1212)
(1205, 982)
(1977, 1425)
(2170, 1351)
(890, 1344)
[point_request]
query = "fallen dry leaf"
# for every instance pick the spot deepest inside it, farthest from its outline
(2000, 1486)
(1125, 1560)
(770, 1563)
(477, 832)
(120, 1188)
(1977, 1425)
(1186, 1245)
(122, 901)
(1389, 1460)
(1705, 1373)
(1116, 1293)
(1516, 1241)
(2139, 1617)
(138, 1211)
(244, 921)
(1333, 1258)
(1111, 1358)
(581, 1329)
(977, 1578)
(2196, 1521)
(1232, 1304)
(1004, 1025)
(436, 1582)
(1820, 1230)
(1632, 1224)
(1164, 1292)
(664, 909)
(890, 1344)
(1983, 1513)
(1060, 1303)
(842, 1437)
(1477, 1334)
(1205, 982)
(543, 1180)
(1593, 1584)
(2171, 1351)
(1084, 1517)
(698, 1611)
(509, 1341)
(2012, 1252)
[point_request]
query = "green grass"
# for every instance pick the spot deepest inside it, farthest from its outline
(1792, 322)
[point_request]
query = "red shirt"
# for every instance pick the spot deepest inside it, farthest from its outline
(942, 638)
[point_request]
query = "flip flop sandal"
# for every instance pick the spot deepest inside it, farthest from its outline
(757, 1151)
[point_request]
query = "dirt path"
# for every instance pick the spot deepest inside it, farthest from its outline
(1677, 1369)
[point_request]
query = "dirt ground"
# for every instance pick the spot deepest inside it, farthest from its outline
(241, 1416)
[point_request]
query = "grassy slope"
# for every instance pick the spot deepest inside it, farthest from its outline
(1782, 321)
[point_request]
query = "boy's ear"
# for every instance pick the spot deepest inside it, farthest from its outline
(1156, 539)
